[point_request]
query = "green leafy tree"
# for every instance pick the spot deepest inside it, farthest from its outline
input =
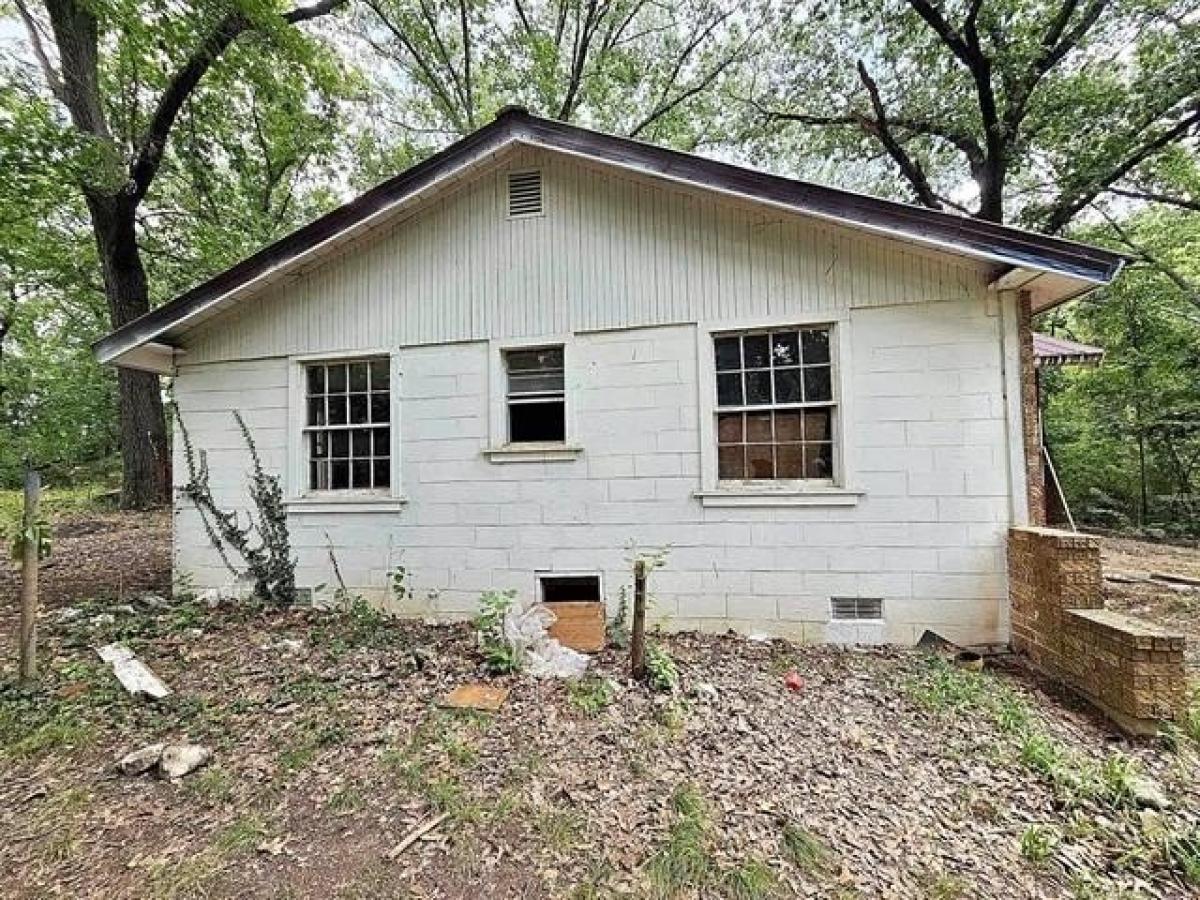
(123, 73)
(1009, 111)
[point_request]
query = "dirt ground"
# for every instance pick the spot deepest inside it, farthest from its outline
(1129, 587)
(887, 774)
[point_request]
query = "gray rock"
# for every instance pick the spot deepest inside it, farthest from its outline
(140, 761)
(704, 691)
(1148, 793)
(182, 759)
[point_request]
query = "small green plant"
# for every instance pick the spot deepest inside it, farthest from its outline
(1038, 843)
(398, 582)
(618, 625)
(804, 849)
(1182, 852)
(944, 688)
(347, 799)
(591, 694)
(1043, 755)
(499, 656)
(661, 671)
(242, 835)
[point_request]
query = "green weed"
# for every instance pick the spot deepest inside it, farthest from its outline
(804, 849)
(592, 694)
(1038, 843)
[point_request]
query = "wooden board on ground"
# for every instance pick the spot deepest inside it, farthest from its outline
(580, 625)
(135, 676)
(476, 696)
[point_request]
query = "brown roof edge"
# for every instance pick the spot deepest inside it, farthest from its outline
(1012, 247)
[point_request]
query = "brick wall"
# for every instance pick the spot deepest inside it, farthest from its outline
(1129, 668)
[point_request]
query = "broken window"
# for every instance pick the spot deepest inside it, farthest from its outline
(775, 404)
(537, 403)
(348, 434)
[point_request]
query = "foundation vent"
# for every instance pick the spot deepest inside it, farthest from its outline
(856, 608)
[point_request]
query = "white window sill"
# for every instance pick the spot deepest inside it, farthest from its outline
(533, 452)
(767, 498)
(350, 503)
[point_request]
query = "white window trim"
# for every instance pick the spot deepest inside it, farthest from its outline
(297, 496)
(499, 449)
(717, 493)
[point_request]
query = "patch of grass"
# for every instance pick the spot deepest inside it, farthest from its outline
(752, 879)
(212, 785)
(942, 886)
(1043, 755)
(672, 717)
(804, 849)
(944, 688)
(684, 862)
(356, 625)
(241, 835)
(1038, 843)
(1181, 851)
(347, 799)
(591, 694)
(314, 738)
(559, 828)
(33, 725)
(310, 689)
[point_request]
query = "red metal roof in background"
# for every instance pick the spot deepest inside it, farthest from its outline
(1055, 351)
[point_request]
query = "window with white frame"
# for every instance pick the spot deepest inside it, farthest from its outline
(536, 395)
(347, 425)
(776, 407)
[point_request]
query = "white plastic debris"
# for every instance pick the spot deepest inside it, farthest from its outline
(525, 630)
(135, 676)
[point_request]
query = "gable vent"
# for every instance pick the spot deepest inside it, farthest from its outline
(856, 608)
(524, 194)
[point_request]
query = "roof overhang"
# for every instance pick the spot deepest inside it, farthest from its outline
(1051, 269)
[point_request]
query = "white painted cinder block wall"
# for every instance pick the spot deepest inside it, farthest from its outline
(925, 441)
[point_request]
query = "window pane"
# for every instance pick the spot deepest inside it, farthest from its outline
(729, 428)
(789, 461)
(360, 442)
(320, 445)
(383, 441)
(360, 473)
(731, 462)
(785, 349)
(760, 461)
(816, 425)
(358, 376)
(758, 388)
(383, 473)
(534, 360)
(358, 408)
(818, 460)
(316, 410)
(787, 426)
(817, 385)
(758, 428)
(756, 349)
(380, 374)
(318, 476)
(316, 379)
(337, 409)
(814, 343)
(537, 422)
(380, 408)
(729, 390)
(340, 441)
(787, 385)
(728, 353)
(535, 382)
(337, 379)
(339, 475)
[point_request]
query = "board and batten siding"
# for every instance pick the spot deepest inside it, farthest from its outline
(632, 271)
(612, 251)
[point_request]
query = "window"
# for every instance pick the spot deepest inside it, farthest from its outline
(537, 404)
(570, 588)
(347, 431)
(775, 404)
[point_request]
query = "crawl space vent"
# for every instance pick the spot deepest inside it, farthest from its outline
(524, 194)
(856, 608)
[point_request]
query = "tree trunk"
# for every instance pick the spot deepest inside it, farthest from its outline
(145, 453)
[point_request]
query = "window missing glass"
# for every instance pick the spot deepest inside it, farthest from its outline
(570, 588)
(775, 404)
(537, 403)
(347, 432)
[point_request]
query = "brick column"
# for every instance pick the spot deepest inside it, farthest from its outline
(1035, 473)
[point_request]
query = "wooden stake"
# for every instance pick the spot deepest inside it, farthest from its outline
(416, 834)
(637, 642)
(29, 575)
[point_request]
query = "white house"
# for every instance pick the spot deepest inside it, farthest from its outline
(511, 363)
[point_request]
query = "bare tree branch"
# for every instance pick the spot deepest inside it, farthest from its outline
(34, 29)
(1155, 197)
